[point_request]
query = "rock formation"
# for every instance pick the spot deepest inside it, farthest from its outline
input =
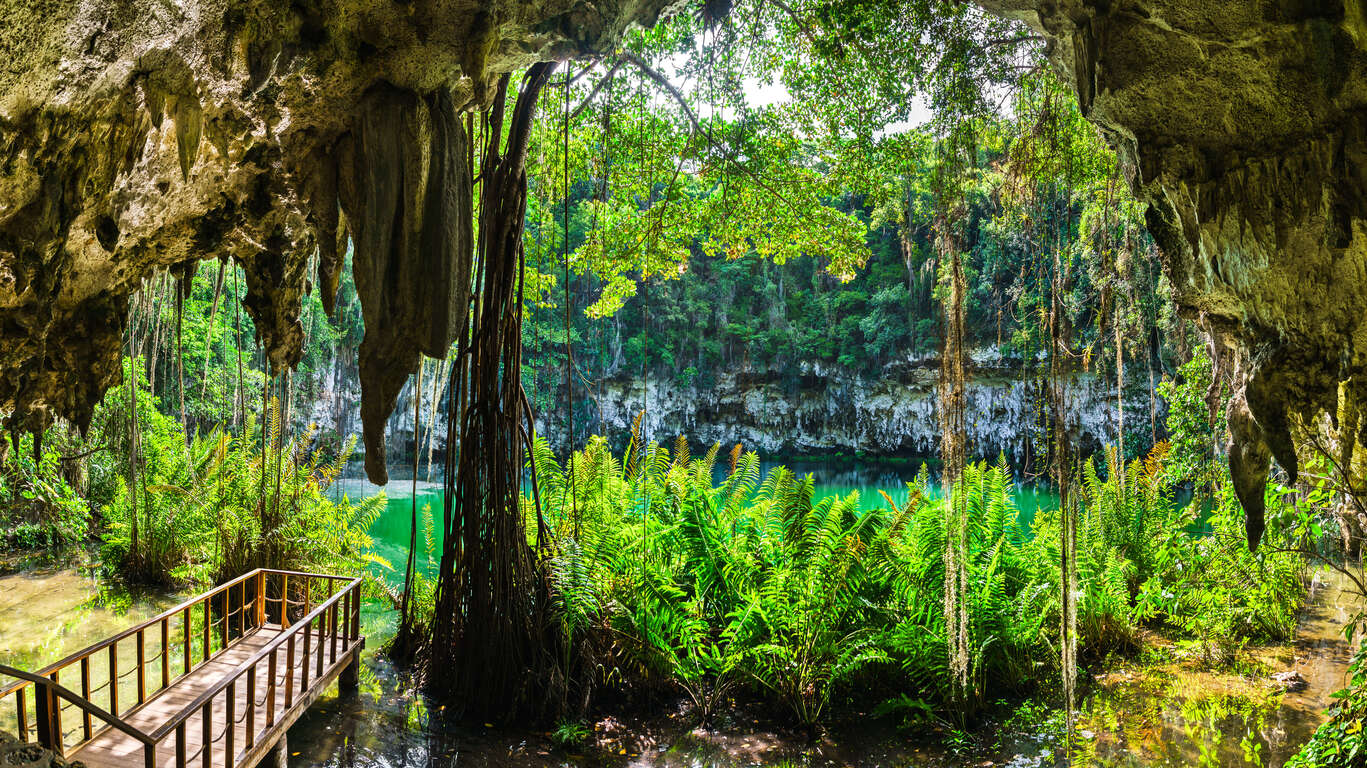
(143, 136)
(137, 137)
(1245, 124)
(19, 754)
(893, 414)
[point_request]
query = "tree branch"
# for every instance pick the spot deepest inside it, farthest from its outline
(1013, 41)
(678, 97)
(607, 78)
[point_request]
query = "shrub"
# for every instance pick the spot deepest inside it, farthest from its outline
(225, 504)
(712, 586)
(39, 508)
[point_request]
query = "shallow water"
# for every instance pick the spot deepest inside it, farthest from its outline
(1160, 715)
(1179, 714)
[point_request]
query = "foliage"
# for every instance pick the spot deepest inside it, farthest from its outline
(40, 508)
(215, 505)
(1194, 427)
(756, 197)
(749, 582)
(1340, 743)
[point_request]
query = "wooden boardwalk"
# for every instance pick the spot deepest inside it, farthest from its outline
(231, 669)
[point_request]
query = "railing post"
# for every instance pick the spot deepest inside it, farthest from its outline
(149, 756)
(346, 619)
(49, 719)
(270, 691)
(142, 676)
(86, 730)
(188, 660)
(207, 750)
(261, 599)
(304, 676)
(55, 703)
(226, 616)
(332, 630)
(251, 706)
(165, 652)
(356, 614)
(322, 651)
(114, 679)
(232, 720)
(42, 704)
(242, 609)
(180, 744)
(285, 601)
(22, 707)
(208, 615)
(289, 672)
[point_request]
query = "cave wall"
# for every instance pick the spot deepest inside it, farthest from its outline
(1244, 124)
(137, 137)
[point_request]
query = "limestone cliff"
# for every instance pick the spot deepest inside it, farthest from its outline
(828, 410)
(19, 754)
(893, 414)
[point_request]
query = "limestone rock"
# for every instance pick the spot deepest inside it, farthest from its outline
(137, 137)
(1245, 126)
(17, 754)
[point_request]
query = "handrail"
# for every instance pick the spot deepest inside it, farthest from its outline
(295, 628)
(164, 615)
(81, 703)
(131, 631)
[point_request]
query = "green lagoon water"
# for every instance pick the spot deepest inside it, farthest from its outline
(833, 477)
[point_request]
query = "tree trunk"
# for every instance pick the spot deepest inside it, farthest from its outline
(488, 650)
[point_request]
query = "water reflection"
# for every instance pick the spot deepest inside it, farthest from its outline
(1179, 714)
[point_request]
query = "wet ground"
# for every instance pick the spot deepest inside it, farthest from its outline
(1164, 708)
(1175, 711)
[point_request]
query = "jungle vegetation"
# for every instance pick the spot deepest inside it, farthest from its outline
(668, 222)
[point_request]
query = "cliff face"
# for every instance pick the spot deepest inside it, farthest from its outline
(829, 411)
(895, 414)
(1246, 125)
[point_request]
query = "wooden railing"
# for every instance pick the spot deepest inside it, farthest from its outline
(323, 637)
(191, 634)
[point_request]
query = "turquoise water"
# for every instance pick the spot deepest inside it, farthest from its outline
(833, 477)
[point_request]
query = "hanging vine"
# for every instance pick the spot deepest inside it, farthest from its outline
(488, 646)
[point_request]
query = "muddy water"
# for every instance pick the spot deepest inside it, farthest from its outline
(1180, 714)
(1155, 714)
